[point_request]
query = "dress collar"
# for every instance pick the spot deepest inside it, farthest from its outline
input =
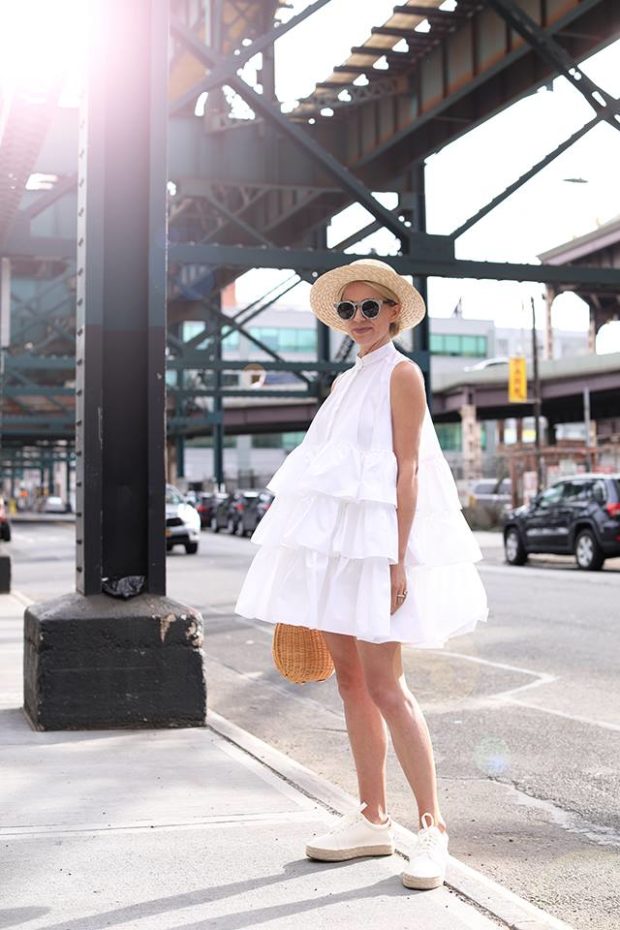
(376, 355)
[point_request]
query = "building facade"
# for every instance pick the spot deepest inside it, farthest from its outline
(456, 344)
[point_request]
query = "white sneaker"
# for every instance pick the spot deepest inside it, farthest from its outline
(428, 858)
(351, 837)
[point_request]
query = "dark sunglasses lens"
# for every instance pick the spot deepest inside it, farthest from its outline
(370, 308)
(345, 309)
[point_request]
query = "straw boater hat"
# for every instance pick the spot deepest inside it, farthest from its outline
(326, 291)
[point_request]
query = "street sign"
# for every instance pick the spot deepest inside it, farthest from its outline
(517, 380)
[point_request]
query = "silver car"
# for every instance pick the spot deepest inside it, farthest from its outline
(182, 522)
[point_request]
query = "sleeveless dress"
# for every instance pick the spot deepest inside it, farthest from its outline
(331, 532)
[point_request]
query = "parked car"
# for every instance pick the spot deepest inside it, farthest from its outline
(54, 505)
(220, 514)
(228, 512)
(488, 363)
(579, 515)
(5, 524)
(182, 522)
(254, 511)
(206, 505)
(493, 491)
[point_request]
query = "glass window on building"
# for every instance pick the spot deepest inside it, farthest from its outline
(450, 436)
(291, 440)
(266, 441)
(452, 344)
(206, 442)
(270, 335)
(455, 344)
(286, 338)
(231, 341)
(277, 440)
(306, 340)
(192, 328)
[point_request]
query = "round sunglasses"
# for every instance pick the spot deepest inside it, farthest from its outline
(370, 308)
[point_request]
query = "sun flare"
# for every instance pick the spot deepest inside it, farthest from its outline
(41, 43)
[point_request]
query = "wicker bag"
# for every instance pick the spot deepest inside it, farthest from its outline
(301, 654)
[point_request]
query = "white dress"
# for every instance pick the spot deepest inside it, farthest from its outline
(331, 533)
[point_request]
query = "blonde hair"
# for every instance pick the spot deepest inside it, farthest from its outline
(386, 293)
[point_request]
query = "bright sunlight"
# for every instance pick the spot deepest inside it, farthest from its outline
(41, 42)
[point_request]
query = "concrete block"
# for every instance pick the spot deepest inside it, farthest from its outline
(5, 574)
(99, 663)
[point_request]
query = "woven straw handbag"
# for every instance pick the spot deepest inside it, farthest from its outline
(300, 654)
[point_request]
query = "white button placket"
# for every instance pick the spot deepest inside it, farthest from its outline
(344, 393)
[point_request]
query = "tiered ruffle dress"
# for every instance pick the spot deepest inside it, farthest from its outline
(327, 540)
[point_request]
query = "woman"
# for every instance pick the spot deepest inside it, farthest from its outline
(365, 540)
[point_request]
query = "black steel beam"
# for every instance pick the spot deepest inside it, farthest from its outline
(22, 245)
(372, 51)
(317, 260)
(37, 390)
(276, 393)
(43, 423)
(606, 106)
(120, 385)
(228, 67)
(301, 137)
(63, 186)
(524, 178)
(65, 363)
(351, 69)
(200, 358)
(403, 32)
(429, 12)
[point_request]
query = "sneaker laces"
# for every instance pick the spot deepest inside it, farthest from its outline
(350, 820)
(428, 840)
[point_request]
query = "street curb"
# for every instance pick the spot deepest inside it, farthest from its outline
(486, 894)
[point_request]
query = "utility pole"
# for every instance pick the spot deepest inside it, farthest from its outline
(537, 401)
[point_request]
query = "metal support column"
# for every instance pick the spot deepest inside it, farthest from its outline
(414, 211)
(537, 401)
(180, 413)
(68, 477)
(218, 404)
(118, 653)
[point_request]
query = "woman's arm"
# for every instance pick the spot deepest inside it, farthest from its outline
(408, 405)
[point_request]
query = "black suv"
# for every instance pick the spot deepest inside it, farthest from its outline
(579, 515)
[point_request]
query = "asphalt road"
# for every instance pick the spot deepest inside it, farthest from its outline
(524, 713)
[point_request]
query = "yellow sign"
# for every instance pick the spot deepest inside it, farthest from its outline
(517, 380)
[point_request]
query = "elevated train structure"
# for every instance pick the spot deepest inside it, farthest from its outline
(260, 192)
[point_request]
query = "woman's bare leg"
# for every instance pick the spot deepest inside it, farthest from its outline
(385, 680)
(365, 725)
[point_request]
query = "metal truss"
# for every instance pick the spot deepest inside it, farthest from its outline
(316, 260)
(219, 228)
(242, 54)
(606, 106)
(346, 179)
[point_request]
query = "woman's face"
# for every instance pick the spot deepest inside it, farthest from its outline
(365, 332)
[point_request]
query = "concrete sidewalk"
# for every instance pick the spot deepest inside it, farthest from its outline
(193, 828)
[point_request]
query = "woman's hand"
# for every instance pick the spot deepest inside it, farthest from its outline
(398, 584)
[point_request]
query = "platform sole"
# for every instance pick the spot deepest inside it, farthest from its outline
(341, 855)
(420, 883)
